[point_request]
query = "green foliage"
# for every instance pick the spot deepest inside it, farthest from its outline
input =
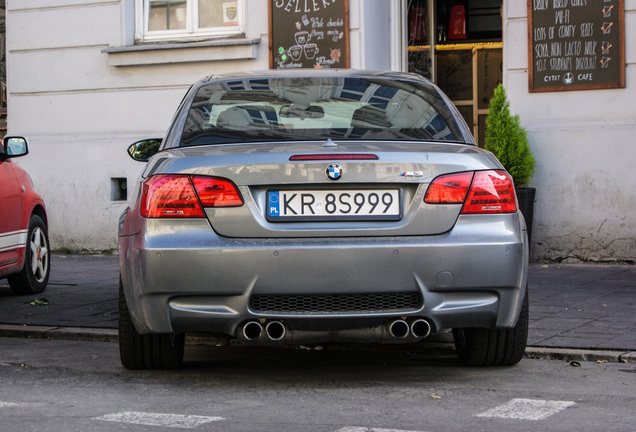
(39, 302)
(508, 140)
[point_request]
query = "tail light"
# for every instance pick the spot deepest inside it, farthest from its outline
(217, 192)
(183, 196)
(449, 189)
(491, 192)
(482, 192)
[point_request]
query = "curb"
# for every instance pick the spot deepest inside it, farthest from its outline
(111, 335)
(569, 354)
(59, 333)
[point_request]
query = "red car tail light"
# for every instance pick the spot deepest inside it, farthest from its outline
(491, 192)
(174, 196)
(217, 192)
(482, 192)
(449, 189)
(169, 196)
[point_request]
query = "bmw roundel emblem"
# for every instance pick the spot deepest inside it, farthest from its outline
(334, 172)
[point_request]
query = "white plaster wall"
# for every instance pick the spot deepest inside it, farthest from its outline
(370, 22)
(584, 144)
(80, 114)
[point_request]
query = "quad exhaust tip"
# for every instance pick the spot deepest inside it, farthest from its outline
(419, 328)
(275, 330)
(399, 329)
(252, 330)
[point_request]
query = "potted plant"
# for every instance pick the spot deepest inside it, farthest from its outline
(507, 139)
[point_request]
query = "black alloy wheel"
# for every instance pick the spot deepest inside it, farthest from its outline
(146, 351)
(499, 347)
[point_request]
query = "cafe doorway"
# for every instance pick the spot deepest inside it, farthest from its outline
(458, 44)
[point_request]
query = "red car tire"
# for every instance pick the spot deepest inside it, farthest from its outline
(37, 264)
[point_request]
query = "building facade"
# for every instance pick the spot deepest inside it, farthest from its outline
(85, 78)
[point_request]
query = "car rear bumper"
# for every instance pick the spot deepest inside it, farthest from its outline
(181, 276)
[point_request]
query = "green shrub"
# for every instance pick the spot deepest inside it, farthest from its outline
(507, 139)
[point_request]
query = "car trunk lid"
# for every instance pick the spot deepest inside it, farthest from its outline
(385, 182)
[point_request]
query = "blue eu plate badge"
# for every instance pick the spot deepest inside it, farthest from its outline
(273, 204)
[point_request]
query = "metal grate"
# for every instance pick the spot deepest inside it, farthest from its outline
(336, 303)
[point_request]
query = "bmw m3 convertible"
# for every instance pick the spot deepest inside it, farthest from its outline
(300, 207)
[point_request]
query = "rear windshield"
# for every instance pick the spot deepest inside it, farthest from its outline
(318, 108)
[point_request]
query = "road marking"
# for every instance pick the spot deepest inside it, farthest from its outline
(7, 404)
(527, 409)
(365, 429)
(155, 419)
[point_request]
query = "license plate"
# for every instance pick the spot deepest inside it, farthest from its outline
(341, 204)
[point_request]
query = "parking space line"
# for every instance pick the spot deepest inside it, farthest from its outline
(7, 404)
(365, 429)
(156, 419)
(527, 409)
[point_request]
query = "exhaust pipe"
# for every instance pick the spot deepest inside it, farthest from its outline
(420, 328)
(252, 330)
(396, 331)
(275, 330)
(399, 329)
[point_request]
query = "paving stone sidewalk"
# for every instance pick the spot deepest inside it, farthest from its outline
(574, 306)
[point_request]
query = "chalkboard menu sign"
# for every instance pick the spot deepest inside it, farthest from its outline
(309, 34)
(576, 44)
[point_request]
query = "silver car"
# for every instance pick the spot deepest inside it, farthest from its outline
(301, 207)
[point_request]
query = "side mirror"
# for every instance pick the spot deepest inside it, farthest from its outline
(14, 147)
(143, 150)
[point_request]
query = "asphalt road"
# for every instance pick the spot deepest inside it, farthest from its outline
(57, 385)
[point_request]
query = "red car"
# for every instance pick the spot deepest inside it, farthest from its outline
(25, 258)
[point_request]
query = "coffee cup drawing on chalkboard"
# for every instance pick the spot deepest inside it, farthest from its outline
(302, 37)
(311, 50)
(295, 52)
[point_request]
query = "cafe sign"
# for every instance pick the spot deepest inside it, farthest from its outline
(308, 34)
(576, 44)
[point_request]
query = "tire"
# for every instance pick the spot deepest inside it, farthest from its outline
(152, 351)
(500, 347)
(34, 276)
